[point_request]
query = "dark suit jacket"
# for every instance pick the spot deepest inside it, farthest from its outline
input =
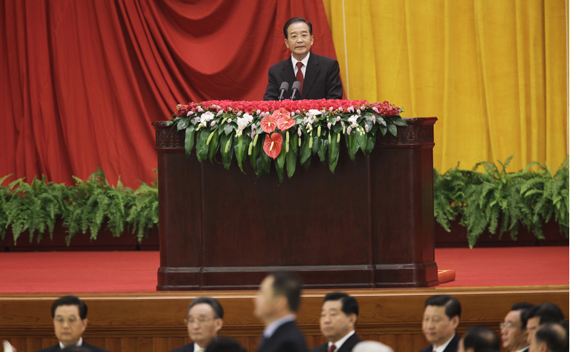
(56, 348)
(188, 348)
(452, 347)
(287, 338)
(322, 80)
(347, 346)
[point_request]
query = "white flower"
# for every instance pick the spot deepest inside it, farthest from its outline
(299, 132)
(373, 120)
(213, 123)
(358, 111)
(199, 109)
(366, 128)
(312, 115)
(350, 109)
(329, 125)
(338, 118)
(219, 113)
(244, 121)
(348, 130)
(353, 121)
(239, 113)
(375, 110)
(206, 117)
(258, 111)
(229, 120)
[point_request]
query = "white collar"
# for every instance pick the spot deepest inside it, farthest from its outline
(305, 61)
(196, 347)
(270, 329)
(442, 347)
(341, 341)
(79, 343)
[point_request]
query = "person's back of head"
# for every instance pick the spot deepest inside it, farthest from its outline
(481, 339)
(371, 346)
(224, 344)
(547, 312)
(288, 285)
(553, 336)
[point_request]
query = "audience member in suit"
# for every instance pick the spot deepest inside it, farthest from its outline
(320, 74)
(371, 346)
(513, 333)
(550, 337)
(224, 344)
(541, 314)
(479, 339)
(338, 319)
(69, 315)
(204, 320)
(276, 303)
(441, 317)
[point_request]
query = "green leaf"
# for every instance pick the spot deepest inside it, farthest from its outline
(305, 150)
(229, 128)
(189, 140)
(370, 143)
(201, 146)
(352, 144)
(398, 121)
(255, 150)
(241, 148)
(392, 129)
(280, 164)
(291, 160)
(226, 149)
(362, 141)
(263, 164)
(214, 145)
(333, 152)
(383, 129)
(323, 144)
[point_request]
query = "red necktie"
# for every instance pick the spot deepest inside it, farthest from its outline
(333, 347)
(299, 77)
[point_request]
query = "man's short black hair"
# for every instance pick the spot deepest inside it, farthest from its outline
(523, 307)
(451, 304)
(547, 312)
(481, 339)
(349, 303)
(288, 285)
(70, 301)
(216, 306)
(224, 344)
(295, 20)
(551, 334)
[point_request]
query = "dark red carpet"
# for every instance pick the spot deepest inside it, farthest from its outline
(64, 272)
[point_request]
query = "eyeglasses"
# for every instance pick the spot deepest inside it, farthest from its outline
(508, 326)
(200, 321)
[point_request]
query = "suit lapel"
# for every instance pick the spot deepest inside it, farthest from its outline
(287, 73)
(311, 75)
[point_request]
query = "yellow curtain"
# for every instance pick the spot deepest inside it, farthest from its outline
(493, 72)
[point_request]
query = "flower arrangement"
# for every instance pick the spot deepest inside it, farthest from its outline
(290, 130)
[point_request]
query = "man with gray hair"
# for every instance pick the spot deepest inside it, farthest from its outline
(204, 320)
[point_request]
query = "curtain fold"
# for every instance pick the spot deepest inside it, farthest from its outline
(493, 72)
(84, 80)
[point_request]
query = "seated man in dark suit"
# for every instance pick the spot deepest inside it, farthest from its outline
(69, 315)
(441, 317)
(479, 339)
(513, 331)
(338, 319)
(550, 337)
(276, 303)
(541, 314)
(203, 321)
(318, 75)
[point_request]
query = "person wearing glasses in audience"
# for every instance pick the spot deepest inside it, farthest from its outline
(204, 320)
(513, 331)
(69, 315)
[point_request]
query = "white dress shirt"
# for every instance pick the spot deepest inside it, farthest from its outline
(305, 61)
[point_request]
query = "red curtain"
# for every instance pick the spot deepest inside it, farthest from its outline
(82, 81)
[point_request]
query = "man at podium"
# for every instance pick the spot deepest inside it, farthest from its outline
(318, 75)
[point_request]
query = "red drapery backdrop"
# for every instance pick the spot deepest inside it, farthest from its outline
(82, 81)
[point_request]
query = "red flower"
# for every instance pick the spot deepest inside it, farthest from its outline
(285, 123)
(268, 124)
(272, 145)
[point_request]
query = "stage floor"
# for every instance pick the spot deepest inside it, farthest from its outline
(91, 272)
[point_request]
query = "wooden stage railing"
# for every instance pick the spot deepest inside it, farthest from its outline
(154, 321)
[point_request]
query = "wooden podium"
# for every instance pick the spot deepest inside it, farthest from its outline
(370, 224)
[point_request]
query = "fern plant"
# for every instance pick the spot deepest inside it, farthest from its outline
(94, 201)
(34, 207)
(143, 214)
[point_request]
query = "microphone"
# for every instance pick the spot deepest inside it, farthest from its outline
(283, 89)
(296, 87)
